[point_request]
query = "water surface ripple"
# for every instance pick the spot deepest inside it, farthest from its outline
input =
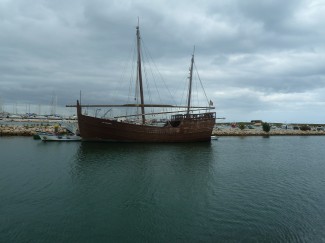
(250, 189)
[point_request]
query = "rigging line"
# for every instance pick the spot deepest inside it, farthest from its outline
(196, 100)
(144, 70)
(151, 114)
(125, 67)
(131, 78)
(147, 55)
(201, 84)
(198, 92)
(144, 65)
(146, 52)
(185, 85)
(162, 78)
(147, 81)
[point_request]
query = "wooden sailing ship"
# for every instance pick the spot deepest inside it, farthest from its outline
(185, 127)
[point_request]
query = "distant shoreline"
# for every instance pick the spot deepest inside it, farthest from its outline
(34, 128)
(243, 133)
(276, 129)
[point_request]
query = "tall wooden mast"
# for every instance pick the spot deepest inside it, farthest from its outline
(140, 76)
(190, 85)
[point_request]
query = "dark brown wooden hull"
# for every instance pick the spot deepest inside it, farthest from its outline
(187, 130)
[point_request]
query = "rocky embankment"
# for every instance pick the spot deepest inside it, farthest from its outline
(25, 130)
(256, 132)
(30, 130)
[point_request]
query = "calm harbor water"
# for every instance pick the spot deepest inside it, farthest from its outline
(250, 189)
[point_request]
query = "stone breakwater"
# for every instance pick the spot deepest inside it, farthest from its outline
(24, 130)
(30, 130)
(255, 132)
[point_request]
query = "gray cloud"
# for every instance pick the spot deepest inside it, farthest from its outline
(256, 59)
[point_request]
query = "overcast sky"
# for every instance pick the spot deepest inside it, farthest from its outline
(257, 59)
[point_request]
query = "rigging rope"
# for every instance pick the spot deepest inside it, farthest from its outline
(201, 84)
(157, 70)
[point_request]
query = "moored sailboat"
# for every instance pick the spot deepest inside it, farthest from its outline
(186, 127)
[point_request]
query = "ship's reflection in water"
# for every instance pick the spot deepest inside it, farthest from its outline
(128, 158)
(142, 187)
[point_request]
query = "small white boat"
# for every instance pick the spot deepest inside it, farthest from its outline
(57, 137)
(214, 138)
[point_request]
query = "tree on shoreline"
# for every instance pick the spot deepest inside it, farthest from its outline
(266, 127)
(241, 126)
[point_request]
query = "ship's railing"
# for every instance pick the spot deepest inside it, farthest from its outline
(193, 116)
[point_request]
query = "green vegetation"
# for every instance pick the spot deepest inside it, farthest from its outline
(305, 128)
(241, 126)
(266, 127)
